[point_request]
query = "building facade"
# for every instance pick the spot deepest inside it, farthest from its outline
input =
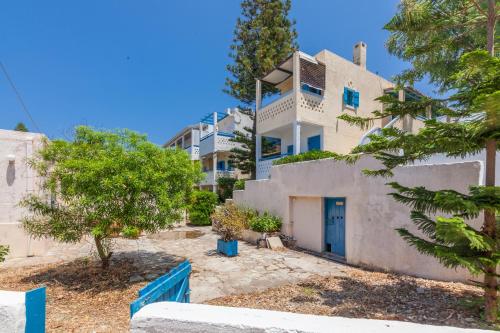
(313, 92)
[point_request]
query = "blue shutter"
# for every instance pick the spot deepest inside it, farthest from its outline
(289, 149)
(221, 165)
(314, 143)
(346, 96)
(355, 99)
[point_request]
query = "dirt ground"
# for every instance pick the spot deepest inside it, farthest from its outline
(372, 295)
(81, 297)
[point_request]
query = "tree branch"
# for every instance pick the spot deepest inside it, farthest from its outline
(478, 7)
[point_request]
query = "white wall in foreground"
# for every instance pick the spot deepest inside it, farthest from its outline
(173, 317)
(295, 192)
(12, 312)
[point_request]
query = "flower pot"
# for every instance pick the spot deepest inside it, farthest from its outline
(230, 248)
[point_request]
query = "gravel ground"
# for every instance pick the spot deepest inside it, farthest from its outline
(81, 297)
(373, 295)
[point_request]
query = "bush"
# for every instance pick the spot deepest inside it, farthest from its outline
(225, 188)
(239, 185)
(229, 221)
(4, 250)
(202, 205)
(265, 223)
(307, 156)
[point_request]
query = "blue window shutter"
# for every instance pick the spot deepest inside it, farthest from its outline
(289, 150)
(314, 143)
(346, 96)
(355, 99)
(221, 165)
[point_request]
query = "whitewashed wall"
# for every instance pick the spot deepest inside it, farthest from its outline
(17, 180)
(170, 317)
(296, 191)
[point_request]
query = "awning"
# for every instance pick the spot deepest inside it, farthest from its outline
(280, 73)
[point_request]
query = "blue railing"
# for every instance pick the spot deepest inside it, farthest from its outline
(171, 287)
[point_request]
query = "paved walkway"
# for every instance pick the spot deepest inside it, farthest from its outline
(213, 275)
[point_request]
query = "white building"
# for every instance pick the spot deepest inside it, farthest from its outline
(18, 180)
(313, 92)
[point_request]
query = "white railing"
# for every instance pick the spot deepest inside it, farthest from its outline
(264, 166)
(283, 105)
(209, 176)
(222, 143)
(194, 152)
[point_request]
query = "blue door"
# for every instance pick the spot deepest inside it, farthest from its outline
(335, 226)
(314, 143)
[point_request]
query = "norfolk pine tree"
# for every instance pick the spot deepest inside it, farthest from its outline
(264, 36)
(453, 43)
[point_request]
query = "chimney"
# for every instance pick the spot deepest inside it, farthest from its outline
(359, 54)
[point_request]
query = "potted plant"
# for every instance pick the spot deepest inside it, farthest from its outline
(229, 222)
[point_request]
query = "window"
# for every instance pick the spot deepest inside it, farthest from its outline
(311, 89)
(351, 97)
(271, 147)
(221, 165)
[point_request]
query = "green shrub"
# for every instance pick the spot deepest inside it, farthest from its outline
(265, 223)
(225, 187)
(239, 185)
(4, 250)
(229, 221)
(202, 205)
(307, 156)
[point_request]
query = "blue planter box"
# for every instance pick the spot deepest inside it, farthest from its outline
(230, 248)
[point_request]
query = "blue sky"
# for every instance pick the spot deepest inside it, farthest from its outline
(152, 66)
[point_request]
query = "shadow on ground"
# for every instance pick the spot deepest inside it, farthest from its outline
(87, 275)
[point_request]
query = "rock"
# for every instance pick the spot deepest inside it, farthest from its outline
(151, 276)
(135, 278)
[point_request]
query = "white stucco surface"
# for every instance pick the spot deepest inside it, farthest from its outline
(12, 312)
(17, 180)
(296, 191)
(187, 318)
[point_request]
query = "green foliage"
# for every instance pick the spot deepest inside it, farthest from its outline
(225, 187)
(264, 36)
(4, 250)
(107, 183)
(239, 185)
(202, 205)
(313, 155)
(446, 41)
(265, 223)
(432, 35)
(20, 127)
(229, 221)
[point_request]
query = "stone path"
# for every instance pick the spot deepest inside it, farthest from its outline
(213, 275)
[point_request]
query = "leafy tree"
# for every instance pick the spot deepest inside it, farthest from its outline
(105, 184)
(20, 127)
(243, 157)
(264, 36)
(225, 187)
(453, 43)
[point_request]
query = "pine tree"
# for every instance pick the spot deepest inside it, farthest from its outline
(264, 36)
(20, 127)
(451, 42)
(241, 157)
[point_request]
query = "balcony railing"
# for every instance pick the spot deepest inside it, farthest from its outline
(222, 143)
(193, 151)
(282, 108)
(209, 176)
(264, 166)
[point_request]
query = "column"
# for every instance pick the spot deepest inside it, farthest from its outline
(407, 120)
(214, 160)
(296, 72)
(296, 137)
(182, 142)
(258, 96)
(258, 147)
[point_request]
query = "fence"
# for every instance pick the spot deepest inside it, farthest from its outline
(171, 287)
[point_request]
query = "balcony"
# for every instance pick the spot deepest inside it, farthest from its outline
(222, 143)
(209, 176)
(264, 166)
(194, 152)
